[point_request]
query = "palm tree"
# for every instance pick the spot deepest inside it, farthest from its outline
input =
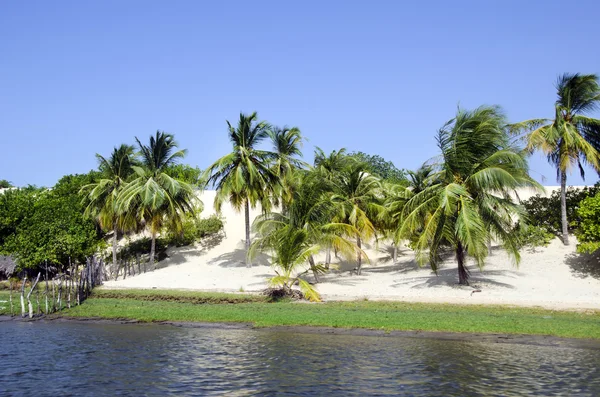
(287, 144)
(357, 201)
(153, 196)
(471, 200)
(101, 197)
(421, 178)
(291, 249)
(308, 225)
(244, 176)
(389, 219)
(572, 138)
(329, 168)
(332, 165)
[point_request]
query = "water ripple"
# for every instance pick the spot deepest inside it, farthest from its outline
(130, 360)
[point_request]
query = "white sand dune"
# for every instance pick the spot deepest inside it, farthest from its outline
(553, 277)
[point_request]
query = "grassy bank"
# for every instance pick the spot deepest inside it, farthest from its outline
(153, 305)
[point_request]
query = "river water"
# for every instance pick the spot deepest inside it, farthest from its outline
(81, 359)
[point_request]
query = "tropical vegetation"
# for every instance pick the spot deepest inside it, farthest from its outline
(317, 216)
(572, 138)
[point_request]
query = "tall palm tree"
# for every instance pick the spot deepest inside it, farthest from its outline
(155, 197)
(572, 138)
(389, 219)
(329, 168)
(287, 144)
(101, 197)
(478, 171)
(357, 199)
(244, 176)
(333, 164)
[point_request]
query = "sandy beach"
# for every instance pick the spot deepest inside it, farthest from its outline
(554, 277)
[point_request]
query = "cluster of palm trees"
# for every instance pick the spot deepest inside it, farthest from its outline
(456, 203)
(137, 192)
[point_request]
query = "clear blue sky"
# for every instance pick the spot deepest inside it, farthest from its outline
(79, 77)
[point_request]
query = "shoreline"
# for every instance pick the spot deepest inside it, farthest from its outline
(476, 337)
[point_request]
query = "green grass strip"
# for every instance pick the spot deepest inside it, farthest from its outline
(191, 306)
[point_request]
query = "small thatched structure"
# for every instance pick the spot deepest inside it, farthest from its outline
(7, 266)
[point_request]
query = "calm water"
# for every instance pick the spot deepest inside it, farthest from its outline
(51, 359)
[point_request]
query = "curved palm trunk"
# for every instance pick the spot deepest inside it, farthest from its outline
(311, 260)
(358, 256)
(247, 220)
(463, 272)
(563, 207)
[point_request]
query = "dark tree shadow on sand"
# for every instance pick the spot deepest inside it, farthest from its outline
(237, 258)
(584, 265)
(449, 278)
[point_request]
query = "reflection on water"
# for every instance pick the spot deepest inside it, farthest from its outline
(98, 359)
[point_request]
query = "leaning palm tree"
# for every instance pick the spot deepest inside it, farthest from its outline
(101, 197)
(244, 176)
(294, 238)
(287, 144)
(572, 138)
(471, 201)
(154, 197)
(357, 200)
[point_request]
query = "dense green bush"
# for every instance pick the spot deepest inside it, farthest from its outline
(545, 211)
(589, 227)
(39, 225)
(141, 247)
(194, 229)
(531, 236)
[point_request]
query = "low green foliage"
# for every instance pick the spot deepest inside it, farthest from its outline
(530, 236)
(589, 228)
(141, 247)
(195, 228)
(356, 314)
(177, 296)
(545, 211)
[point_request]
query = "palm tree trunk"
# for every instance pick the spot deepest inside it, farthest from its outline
(114, 245)
(311, 260)
(463, 272)
(563, 207)
(358, 256)
(247, 220)
(152, 249)
(395, 255)
(328, 257)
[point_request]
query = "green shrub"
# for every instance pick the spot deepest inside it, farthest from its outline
(142, 246)
(589, 228)
(194, 229)
(545, 211)
(531, 236)
(207, 226)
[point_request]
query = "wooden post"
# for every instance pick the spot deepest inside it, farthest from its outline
(12, 313)
(53, 295)
(23, 296)
(46, 287)
(29, 295)
(39, 310)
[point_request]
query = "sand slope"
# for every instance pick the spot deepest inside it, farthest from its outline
(553, 277)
